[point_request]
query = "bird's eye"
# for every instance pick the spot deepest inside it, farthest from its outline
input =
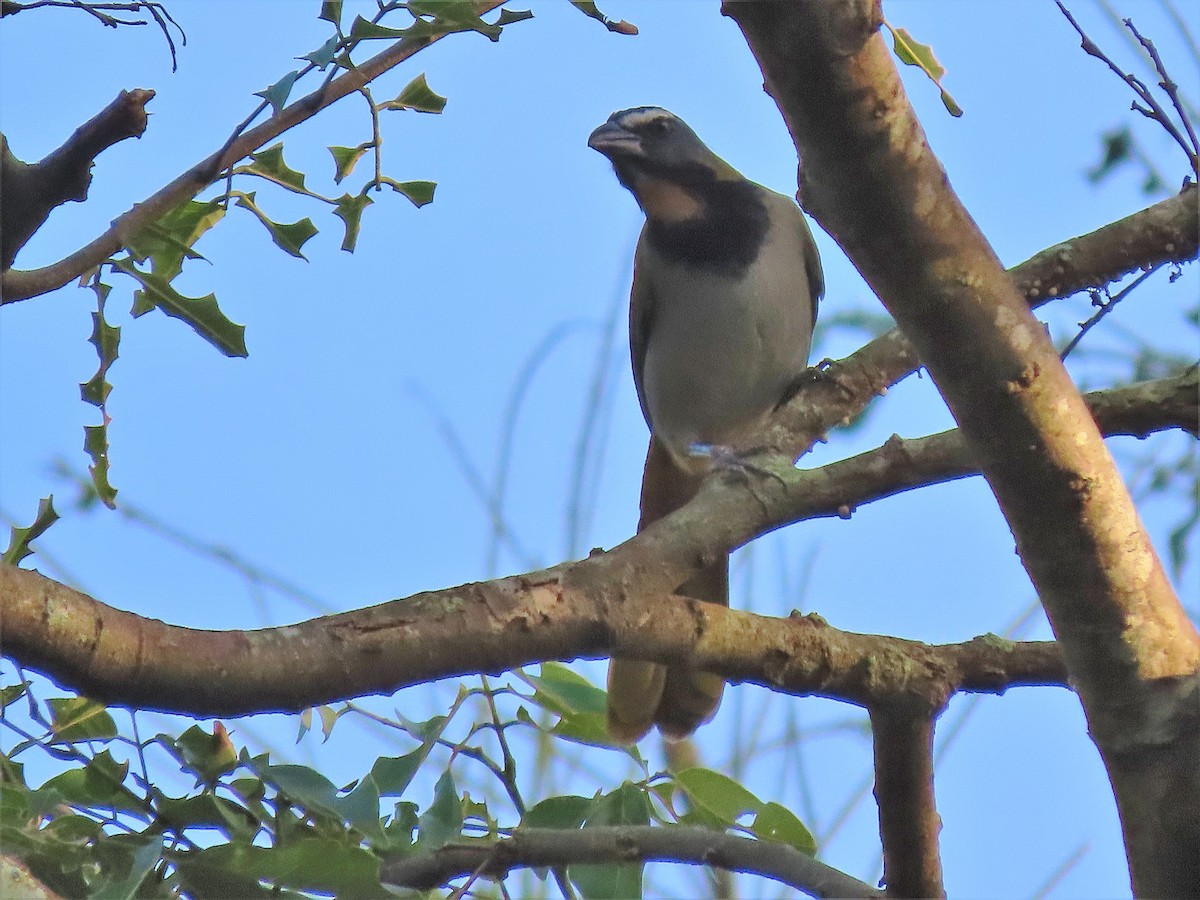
(659, 127)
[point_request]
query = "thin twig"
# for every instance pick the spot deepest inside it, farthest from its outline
(1052, 881)
(1169, 86)
(1152, 109)
(1104, 307)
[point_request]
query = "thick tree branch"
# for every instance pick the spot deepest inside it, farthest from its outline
(568, 612)
(590, 608)
(31, 192)
(869, 177)
(1168, 231)
(545, 847)
(909, 824)
(22, 284)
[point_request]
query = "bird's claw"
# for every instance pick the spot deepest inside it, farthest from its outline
(727, 459)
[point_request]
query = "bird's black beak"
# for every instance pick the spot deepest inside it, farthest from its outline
(610, 138)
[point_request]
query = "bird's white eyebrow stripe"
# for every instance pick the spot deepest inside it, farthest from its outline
(635, 118)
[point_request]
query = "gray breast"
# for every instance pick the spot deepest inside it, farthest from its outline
(722, 349)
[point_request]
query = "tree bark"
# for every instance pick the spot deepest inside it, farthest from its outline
(869, 177)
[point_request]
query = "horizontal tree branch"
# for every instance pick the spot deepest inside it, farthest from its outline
(591, 608)
(18, 284)
(545, 847)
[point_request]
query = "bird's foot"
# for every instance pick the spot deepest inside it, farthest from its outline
(726, 459)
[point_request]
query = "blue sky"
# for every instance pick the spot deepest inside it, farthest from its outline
(319, 457)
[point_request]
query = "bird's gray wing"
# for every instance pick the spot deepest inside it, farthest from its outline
(642, 309)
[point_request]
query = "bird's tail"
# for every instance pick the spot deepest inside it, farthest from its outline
(678, 699)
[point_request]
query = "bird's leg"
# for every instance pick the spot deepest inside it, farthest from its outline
(725, 458)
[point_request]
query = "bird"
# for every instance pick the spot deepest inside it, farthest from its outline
(726, 280)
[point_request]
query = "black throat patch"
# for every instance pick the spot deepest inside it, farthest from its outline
(725, 237)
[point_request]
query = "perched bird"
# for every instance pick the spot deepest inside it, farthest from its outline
(726, 279)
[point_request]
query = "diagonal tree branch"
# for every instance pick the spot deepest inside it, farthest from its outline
(869, 177)
(544, 847)
(590, 608)
(22, 284)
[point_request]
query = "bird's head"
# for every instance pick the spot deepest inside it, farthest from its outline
(661, 161)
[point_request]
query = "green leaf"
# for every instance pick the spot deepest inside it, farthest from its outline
(207, 810)
(562, 691)
(313, 792)
(400, 827)
(208, 756)
(211, 874)
(716, 794)
(331, 11)
(106, 339)
(586, 728)
(419, 192)
(1118, 150)
(10, 693)
(104, 336)
(201, 313)
(77, 719)
(142, 856)
(912, 52)
(289, 238)
(305, 724)
(627, 805)
(589, 9)
(303, 787)
(443, 821)
(14, 806)
(417, 96)
(448, 16)
(97, 785)
(1177, 540)
(349, 209)
(20, 538)
(269, 164)
(509, 16)
(95, 444)
(345, 159)
(329, 717)
(778, 823)
(360, 808)
(321, 865)
(324, 55)
(363, 30)
(167, 242)
(393, 774)
(277, 93)
(557, 812)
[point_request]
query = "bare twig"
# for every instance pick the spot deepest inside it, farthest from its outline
(156, 10)
(1104, 307)
(1151, 109)
(1168, 85)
